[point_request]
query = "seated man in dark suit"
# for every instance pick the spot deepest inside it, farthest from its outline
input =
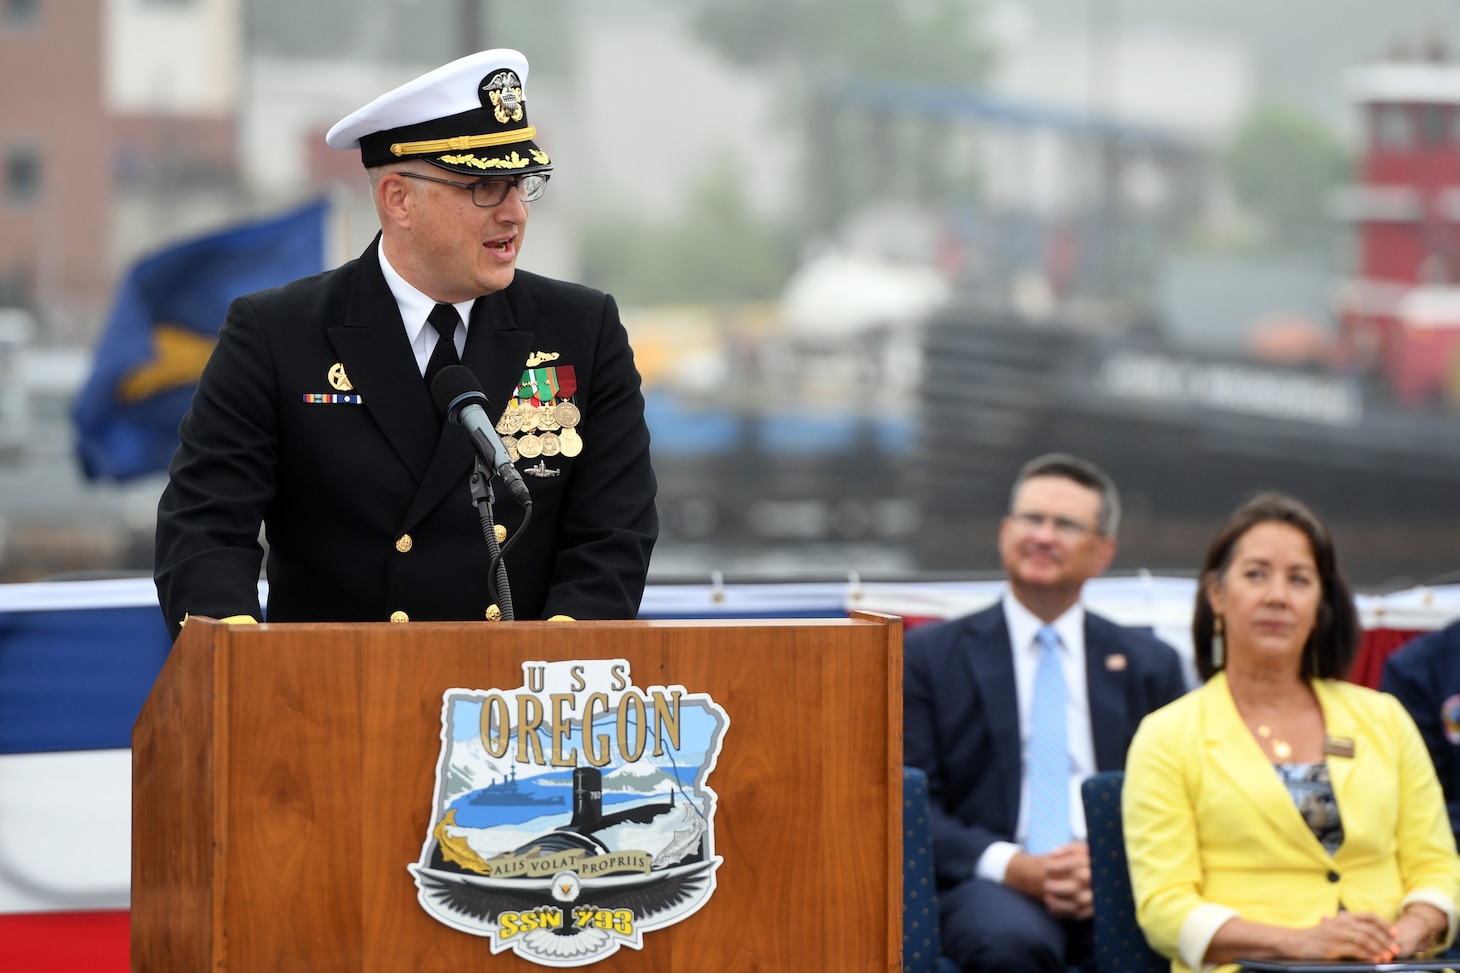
(1008, 710)
(1425, 676)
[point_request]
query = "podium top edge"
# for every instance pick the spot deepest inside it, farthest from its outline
(860, 617)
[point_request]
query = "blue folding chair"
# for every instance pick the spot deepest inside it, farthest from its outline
(1120, 946)
(922, 948)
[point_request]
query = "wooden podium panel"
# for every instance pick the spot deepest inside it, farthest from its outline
(284, 777)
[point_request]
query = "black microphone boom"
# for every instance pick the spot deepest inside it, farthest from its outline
(460, 398)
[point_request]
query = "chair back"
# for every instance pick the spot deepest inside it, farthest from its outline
(922, 948)
(1120, 946)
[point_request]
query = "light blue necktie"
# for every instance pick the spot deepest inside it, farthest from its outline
(1049, 751)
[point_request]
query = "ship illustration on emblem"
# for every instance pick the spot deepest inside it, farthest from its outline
(572, 814)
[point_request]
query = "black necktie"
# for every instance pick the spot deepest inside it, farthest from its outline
(444, 319)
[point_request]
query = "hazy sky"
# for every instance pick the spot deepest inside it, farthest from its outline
(1300, 48)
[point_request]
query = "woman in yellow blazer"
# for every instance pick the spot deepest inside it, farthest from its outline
(1277, 812)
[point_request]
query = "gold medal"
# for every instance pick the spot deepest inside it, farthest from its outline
(526, 418)
(508, 423)
(511, 443)
(529, 446)
(567, 414)
(547, 418)
(550, 444)
(570, 442)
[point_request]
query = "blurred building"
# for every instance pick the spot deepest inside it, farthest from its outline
(1070, 176)
(109, 100)
(1200, 85)
(56, 147)
(150, 120)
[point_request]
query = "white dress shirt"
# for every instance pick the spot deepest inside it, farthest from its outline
(415, 307)
(1024, 628)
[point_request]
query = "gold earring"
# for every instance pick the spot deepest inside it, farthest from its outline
(1219, 644)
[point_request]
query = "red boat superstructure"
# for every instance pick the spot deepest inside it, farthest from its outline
(1400, 312)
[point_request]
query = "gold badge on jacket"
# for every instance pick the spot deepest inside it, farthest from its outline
(340, 381)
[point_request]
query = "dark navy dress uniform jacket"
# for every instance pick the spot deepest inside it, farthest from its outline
(338, 486)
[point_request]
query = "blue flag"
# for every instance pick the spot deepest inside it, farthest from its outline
(163, 328)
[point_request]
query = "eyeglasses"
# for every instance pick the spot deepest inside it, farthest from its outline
(1063, 526)
(487, 193)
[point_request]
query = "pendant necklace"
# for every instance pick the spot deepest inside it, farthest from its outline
(1280, 748)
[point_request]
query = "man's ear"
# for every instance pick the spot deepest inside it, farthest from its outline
(393, 197)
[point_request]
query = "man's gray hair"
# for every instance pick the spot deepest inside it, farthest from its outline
(376, 173)
(1080, 471)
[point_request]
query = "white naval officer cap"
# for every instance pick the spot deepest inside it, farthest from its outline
(469, 116)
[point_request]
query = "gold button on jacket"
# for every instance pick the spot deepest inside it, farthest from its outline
(404, 543)
(399, 617)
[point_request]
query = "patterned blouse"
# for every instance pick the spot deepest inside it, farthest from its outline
(1313, 793)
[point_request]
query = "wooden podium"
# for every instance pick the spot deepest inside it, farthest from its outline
(283, 780)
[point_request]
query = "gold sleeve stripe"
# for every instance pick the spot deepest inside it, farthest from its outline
(460, 142)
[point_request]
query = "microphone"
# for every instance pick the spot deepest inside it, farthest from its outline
(460, 398)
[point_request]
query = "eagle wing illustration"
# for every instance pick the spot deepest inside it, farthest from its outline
(478, 901)
(651, 896)
(485, 899)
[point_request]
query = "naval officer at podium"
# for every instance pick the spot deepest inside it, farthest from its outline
(314, 416)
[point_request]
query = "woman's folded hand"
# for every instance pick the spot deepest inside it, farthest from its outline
(1348, 935)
